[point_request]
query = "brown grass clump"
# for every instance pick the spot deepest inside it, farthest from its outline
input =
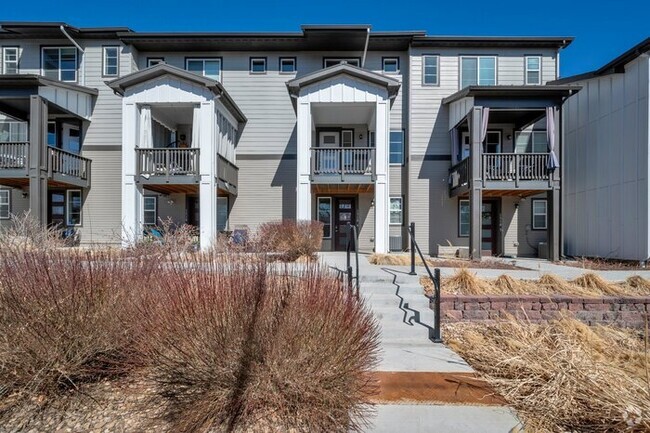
(563, 376)
(466, 283)
(594, 283)
(638, 285)
(507, 285)
(405, 260)
(290, 239)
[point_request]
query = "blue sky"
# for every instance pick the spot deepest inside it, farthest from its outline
(603, 30)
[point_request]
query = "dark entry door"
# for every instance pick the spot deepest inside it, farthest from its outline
(193, 211)
(345, 212)
(56, 209)
(489, 220)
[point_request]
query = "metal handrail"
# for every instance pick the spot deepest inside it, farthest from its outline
(435, 279)
(353, 235)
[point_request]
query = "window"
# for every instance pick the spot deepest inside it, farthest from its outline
(5, 204)
(390, 65)
(533, 70)
(150, 211)
(12, 131)
(539, 214)
(430, 70)
(258, 65)
(51, 134)
(480, 71)
(287, 65)
(371, 138)
(110, 61)
(396, 147)
(210, 68)
(222, 214)
(60, 63)
(396, 211)
(9, 60)
(331, 61)
(463, 218)
(73, 208)
(531, 141)
(153, 61)
(325, 215)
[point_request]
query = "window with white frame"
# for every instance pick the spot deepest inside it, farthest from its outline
(5, 204)
(463, 218)
(539, 214)
(396, 211)
(73, 207)
(258, 65)
(150, 216)
(153, 61)
(59, 63)
(222, 213)
(210, 68)
(533, 70)
(10, 60)
(332, 61)
(111, 61)
(13, 131)
(430, 70)
(325, 215)
(531, 142)
(287, 65)
(478, 70)
(390, 65)
(396, 156)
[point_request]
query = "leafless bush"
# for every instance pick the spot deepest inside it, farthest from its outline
(291, 239)
(166, 238)
(25, 232)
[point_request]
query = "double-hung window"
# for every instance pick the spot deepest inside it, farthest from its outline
(73, 207)
(396, 211)
(9, 60)
(111, 61)
(390, 65)
(59, 63)
(539, 214)
(478, 70)
(533, 70)
(463, 218)
(396, 156)
(150, 210)
(430, 70)
(210, 68)
(5, 204)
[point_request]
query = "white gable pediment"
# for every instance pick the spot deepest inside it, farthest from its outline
(343, 88)
(167, 89)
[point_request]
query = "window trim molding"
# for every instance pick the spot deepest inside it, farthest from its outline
(59, 47)
(144, 210)
(526, 57)
(250, 65)
(68, 203)
(104, 74)
(331, 223)
(532, 214)
(478, 68)
(437, 57)
(3, 68)
(159, 59)
(295, 65)
(460, 203)
(8, 192)
(401, 211)
(220, 79)
(358, 59)
(383, 65)
(396, 164)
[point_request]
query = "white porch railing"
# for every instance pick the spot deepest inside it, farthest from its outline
(342, 161)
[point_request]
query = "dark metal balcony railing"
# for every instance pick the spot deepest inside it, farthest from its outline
(459, 174)
(341, 161)
(68, 163)
(14, 156)
(167, 162)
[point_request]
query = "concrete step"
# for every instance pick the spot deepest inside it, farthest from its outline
(405, 314)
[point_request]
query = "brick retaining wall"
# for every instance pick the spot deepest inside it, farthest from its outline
(621, 311)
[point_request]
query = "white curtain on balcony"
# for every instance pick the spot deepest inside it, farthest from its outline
(196, 125)
(485, 118)
(455, 146)
(553, 162)
(146, 131)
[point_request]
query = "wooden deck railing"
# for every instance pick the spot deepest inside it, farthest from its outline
(515, 166)
(227, 171)
(167, 162)
(14, 156)
(68, 163)
(341, 161)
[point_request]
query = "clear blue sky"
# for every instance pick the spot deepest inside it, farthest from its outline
(603, 30)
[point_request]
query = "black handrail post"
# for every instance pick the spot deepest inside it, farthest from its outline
(436, 328)
(412, 235)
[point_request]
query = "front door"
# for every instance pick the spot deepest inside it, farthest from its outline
(489, 226)
(344, 212)
(56, 209)
(193, 210)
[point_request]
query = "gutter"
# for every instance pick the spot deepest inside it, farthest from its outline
(365, 48)
(83, 69)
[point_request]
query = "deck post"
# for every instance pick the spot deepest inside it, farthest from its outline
(303, 153)
(476, 183)
(38, 158)
(553, 229)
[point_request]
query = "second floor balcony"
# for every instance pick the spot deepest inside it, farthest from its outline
(343, 165)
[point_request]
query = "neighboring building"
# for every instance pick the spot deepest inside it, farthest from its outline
(606, 184)
(334, 123)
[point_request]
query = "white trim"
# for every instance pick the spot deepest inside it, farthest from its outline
(205, 59)
(532, 207)
(76, 62)
(257, 60)
(538, 70)
(4, 62)
(105, 58)
(424, 69)
(293, 60)
(68, 203)
(145, 210)
(478, 70)
(391, 59)
(330, 223)
(401, 210)
(5, 203)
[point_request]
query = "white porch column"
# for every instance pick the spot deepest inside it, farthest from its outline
(381, 183)
(208, 168)
(132, 196)
(303, 145)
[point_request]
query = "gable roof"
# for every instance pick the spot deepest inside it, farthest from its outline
(120, 85)
(391, 84)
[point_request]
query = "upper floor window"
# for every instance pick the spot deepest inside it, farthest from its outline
(531, 141)
(111, 61)
(477, 70)
(210, 68)
(153, 61)
(533, 70)
(396, 147)
(332, 61)
(60, 63)
(430, 70)
(390, 65)
(258, 65)
(9, 60)
(287, 65)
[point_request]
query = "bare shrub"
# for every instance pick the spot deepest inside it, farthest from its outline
(638, 285)
(166, 238)
(290, 239)
(25, 232)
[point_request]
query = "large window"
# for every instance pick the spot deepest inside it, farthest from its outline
(533, 70)
(9, 60)
(258, 65)
(222, 213)
(430, 70)
(73, 208)
(396, 147)
(111, 61)
(210, 68)
(12, 131)
(390, 65)
(531, 141)
(396, 211)
(60, 63)
(480, 71)
(5, 204)
(150, 210)
(463, 218)
(539, 214)
(331, 61)
(287, 65)
(325, 215)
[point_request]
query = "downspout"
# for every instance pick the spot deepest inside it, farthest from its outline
(365, 48)
(82, 81)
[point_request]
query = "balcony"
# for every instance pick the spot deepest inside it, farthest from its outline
(168, 166)
(336, 165)
(507, 172)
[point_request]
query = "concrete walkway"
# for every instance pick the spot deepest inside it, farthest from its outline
(406, 321)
